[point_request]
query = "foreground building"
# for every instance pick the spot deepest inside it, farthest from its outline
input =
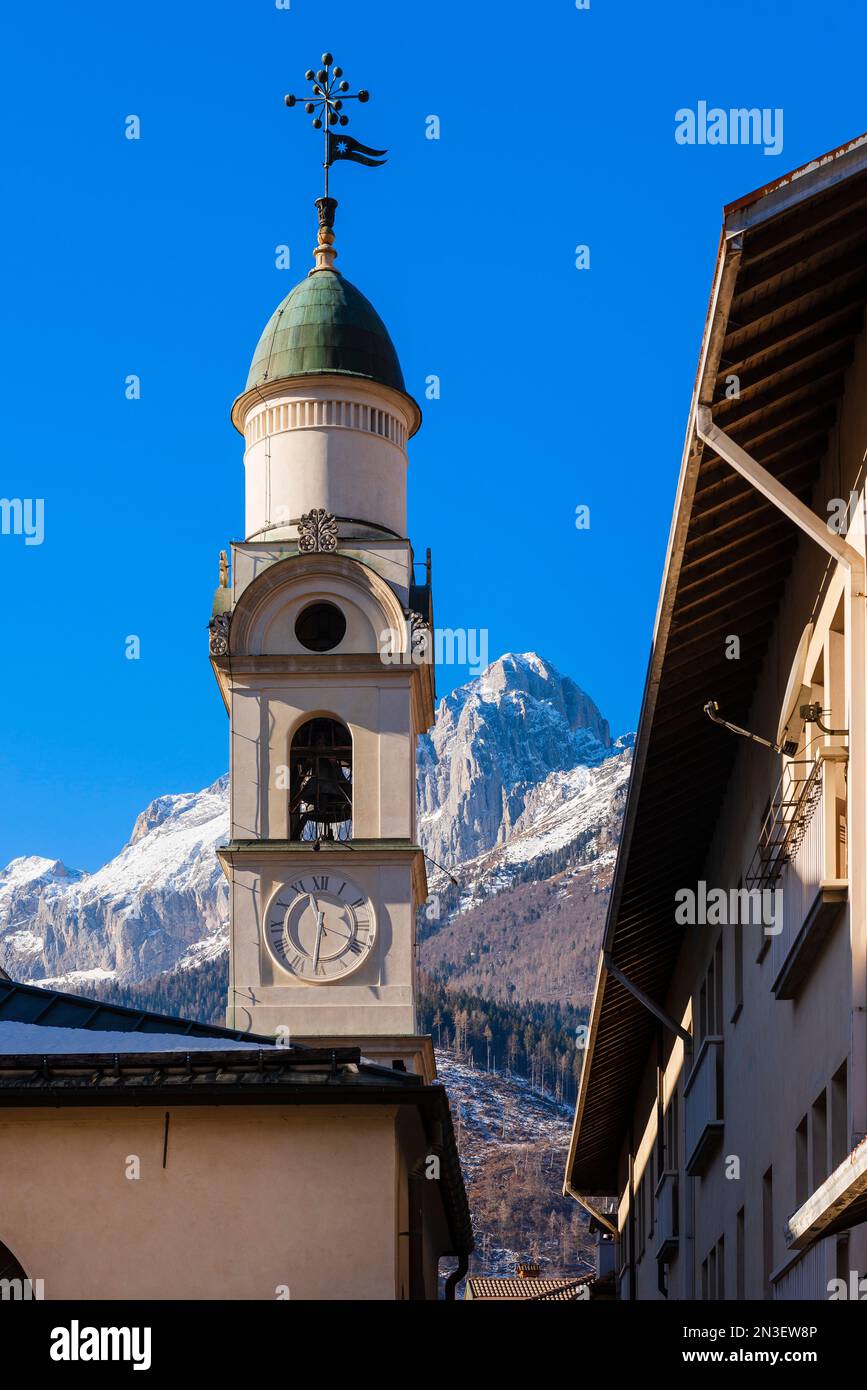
(149, 1157)
(722, 1112)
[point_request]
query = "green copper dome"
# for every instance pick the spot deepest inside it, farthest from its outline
(325, 325)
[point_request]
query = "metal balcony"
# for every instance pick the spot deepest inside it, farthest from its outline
(703, 1105)
(790, 812)
(813, 880)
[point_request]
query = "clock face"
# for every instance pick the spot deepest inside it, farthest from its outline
(320, 927)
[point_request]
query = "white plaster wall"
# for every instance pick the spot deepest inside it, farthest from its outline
(351, 469)
(250, 1198)
(779, 1054)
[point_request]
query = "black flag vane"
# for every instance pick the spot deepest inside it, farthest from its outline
(330, 91)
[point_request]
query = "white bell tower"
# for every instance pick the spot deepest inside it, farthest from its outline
(312, 646)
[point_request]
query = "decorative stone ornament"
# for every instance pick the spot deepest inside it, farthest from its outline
(420, 635)
(317, 532)
(219, 629)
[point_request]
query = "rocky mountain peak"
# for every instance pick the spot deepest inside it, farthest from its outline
(494, 739)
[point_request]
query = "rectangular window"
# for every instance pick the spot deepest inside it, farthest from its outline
(640, 1205)
(713, 1284)
(839, 1116)
(710, 998)
(672, 1135)
(740, 1258)
(767, 1232)
(819, 1142)
(802, 1180)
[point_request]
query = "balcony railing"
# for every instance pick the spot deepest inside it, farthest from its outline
(666, 1216)
(813, 880)
(703, 1105)
(789, 814)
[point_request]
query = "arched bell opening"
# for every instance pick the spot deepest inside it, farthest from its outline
(320, 781)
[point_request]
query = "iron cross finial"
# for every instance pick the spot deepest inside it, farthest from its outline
(325, 104)
(330, 91)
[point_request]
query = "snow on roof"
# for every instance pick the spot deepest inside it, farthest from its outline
(34, 1039)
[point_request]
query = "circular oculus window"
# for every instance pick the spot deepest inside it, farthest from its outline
(320, 627)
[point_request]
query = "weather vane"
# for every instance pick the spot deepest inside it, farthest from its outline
(330, 91)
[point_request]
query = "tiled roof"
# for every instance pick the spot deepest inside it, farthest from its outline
(325, 325)
(551, 1290)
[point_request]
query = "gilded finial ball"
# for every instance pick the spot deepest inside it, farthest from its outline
(289, 99)
(338, 105)
(344, 120)
(344, 86)
(332, 118)
(327, 59)
(310, 74)
(338, 72)
(322, 75)
(363, 96)
(317, 124)
(317, 90)
(310, 107)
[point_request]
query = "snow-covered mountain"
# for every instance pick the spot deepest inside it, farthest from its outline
(160, 904)
(519, 775)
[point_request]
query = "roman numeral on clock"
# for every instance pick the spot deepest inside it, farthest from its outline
(320, 885)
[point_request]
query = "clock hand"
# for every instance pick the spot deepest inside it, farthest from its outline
(320, 928)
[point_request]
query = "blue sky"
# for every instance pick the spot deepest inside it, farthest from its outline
(157, 257)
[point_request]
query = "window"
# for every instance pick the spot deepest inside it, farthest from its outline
(641, 1210)
(767, 1232)
(802, 1181)
(819, 1144)
(320, 781)
(713, 1272)
(839, 1116)
(671, 1132)
(740, 1257)
(710, 998)
(320, 627)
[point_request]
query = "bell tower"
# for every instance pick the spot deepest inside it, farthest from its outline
(312, 644)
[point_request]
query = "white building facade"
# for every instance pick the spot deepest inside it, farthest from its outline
(722, 1112)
